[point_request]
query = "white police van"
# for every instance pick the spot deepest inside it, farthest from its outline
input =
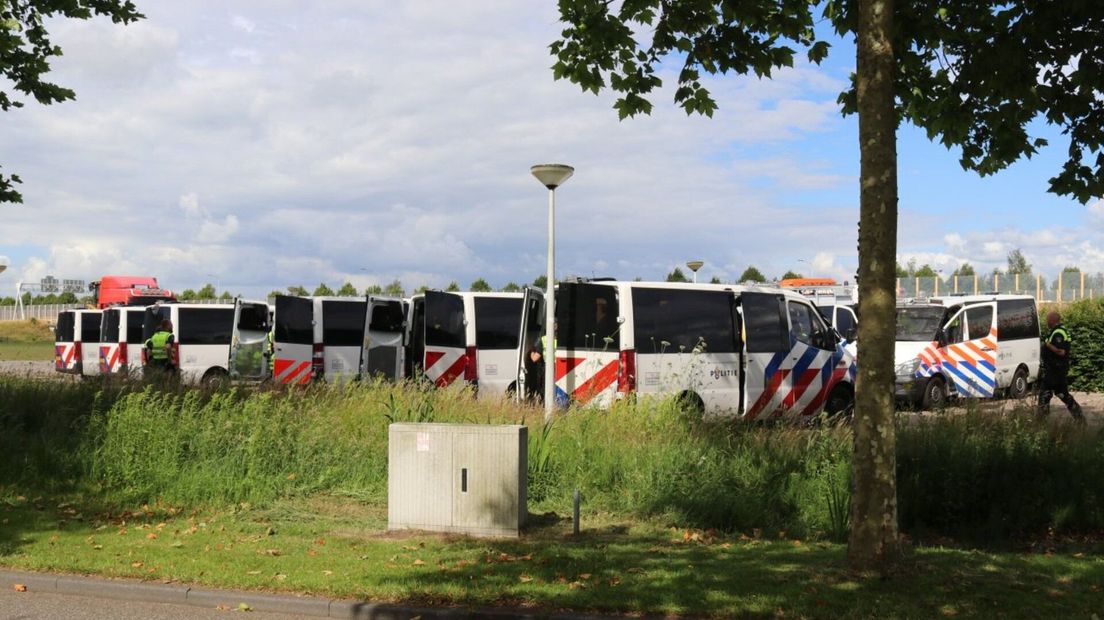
(201, 338)
(741, 351)
(966, 345)
(466, 338)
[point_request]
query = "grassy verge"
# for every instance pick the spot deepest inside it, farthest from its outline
(26, 341)
(26, 351)
(335, 547)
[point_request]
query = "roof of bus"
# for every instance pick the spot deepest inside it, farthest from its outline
(733, 288)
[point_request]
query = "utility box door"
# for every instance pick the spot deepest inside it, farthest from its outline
(489, 499)
(416, 461)
(466, 478)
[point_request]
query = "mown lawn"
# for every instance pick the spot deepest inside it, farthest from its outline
(339, 547)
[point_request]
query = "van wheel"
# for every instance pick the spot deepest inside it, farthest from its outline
(1018, 387)
(214, 378)
(935, 394)
(690, 406)
(841, 401)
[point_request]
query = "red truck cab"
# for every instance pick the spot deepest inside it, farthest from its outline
(129, 291)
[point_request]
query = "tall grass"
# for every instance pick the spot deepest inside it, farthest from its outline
(973, 475)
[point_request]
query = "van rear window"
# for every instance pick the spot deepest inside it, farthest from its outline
(387, 317)
(134, 327)
(294, 320)
(586, 315)
(64, 330)
(497, 322)
(343, 323)
(90, 326)
(676, 321)
(444, 320)
(208, 326)
(109, 328)
(254, 317)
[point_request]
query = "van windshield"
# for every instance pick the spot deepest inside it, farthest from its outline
(919, 324)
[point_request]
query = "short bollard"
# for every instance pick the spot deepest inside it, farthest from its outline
(575, 515)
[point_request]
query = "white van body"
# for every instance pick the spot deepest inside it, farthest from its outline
(121, 341)
(469, 338)
(202, 335)
(730, 350)
(249, 341)
(318, 338)
(86, 330)
(969, 345)
(65, 349)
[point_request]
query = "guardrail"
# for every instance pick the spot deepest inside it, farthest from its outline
(1067, 286)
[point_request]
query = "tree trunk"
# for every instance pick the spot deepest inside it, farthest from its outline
(874, 544)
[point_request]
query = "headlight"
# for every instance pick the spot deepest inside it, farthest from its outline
(909, 368)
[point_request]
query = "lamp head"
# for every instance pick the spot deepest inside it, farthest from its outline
(552, 175)
(695, 265)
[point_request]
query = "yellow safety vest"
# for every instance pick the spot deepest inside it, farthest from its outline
(157, 343)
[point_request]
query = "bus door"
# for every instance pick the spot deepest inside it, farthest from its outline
(445, 338)
(293, 339)
(766, 350)
(530, 331)
(249, 341)
(383, 339)
(343, 322)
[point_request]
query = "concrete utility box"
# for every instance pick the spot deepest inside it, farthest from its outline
(467, 478)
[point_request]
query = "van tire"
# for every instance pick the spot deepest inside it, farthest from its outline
(214, 377)
(690, 406)
(1019, 386)
(841, 401)
(935, 394)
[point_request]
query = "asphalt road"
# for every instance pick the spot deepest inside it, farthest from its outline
(31, 605)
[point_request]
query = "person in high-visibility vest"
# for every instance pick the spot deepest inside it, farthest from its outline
(534, 385)
(160, 346)
(270, 351)
(1056, 363)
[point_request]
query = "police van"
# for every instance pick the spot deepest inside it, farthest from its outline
(121, 341)
(740, 351)
(966, 345)
(77, 342)
(336, 338)
(201, 338)
(466, 338)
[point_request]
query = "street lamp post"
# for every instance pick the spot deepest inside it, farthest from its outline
(550, 176)
(694, 266)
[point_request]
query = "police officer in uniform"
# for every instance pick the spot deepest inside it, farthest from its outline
(1056, 363)
(160, 349)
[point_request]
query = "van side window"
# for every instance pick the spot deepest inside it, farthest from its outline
(845, 321)
(497, 322)
(801, 324)
(294, 320)
(678, 320)
(253, 317)
(954, 330)
(387, 318)
(151, 320)
(343, 323)
(764, 323)
(979, 320)
(205, 325)
(90, 327)
(1017, 319)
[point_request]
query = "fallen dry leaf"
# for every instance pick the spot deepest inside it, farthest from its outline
(577, 585)
(327, 572)
(151, 536)
(525, 578)
(281, 577)
(272, 552)
(136, 564)
(253, 572)
(615, 581)
(584, 576)
(20, 587)
(419, 563)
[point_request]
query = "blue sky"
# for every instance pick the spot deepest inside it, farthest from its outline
(263, 145)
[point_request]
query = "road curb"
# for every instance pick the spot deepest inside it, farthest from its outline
(311, 606)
